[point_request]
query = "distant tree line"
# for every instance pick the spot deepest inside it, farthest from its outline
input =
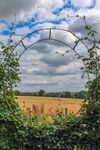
(67, 94)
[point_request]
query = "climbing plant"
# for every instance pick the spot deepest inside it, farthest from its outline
(21, 132)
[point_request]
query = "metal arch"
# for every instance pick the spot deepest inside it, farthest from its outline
(52, 39)
(50, 29)
(41, 41)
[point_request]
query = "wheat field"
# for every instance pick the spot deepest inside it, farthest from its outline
(49, 105)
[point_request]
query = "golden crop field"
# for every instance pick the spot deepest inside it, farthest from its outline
(49, 105)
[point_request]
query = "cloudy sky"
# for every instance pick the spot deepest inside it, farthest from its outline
(42, 66)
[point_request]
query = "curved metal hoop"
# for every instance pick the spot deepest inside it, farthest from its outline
(52, 39)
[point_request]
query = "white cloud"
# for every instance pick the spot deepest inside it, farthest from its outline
(82, 3)
(23, 31)
(3, 26)
(3, 38)
(9, 7)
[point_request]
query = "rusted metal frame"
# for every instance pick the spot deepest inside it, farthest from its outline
(50, 33)
(24, 45)
(49, 39)
(49, 29)
(42, 41)
(21, 41)
(72, 48)
(81, 58)
(30, 46)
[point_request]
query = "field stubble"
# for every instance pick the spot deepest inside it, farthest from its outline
(49, 105)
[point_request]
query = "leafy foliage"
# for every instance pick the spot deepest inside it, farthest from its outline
(21, 132)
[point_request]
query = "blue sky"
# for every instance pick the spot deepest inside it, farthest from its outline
(35, 19)
(47, 70)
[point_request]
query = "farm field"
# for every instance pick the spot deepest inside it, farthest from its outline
(49, 105)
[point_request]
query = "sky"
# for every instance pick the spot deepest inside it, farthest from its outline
(42, 66)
